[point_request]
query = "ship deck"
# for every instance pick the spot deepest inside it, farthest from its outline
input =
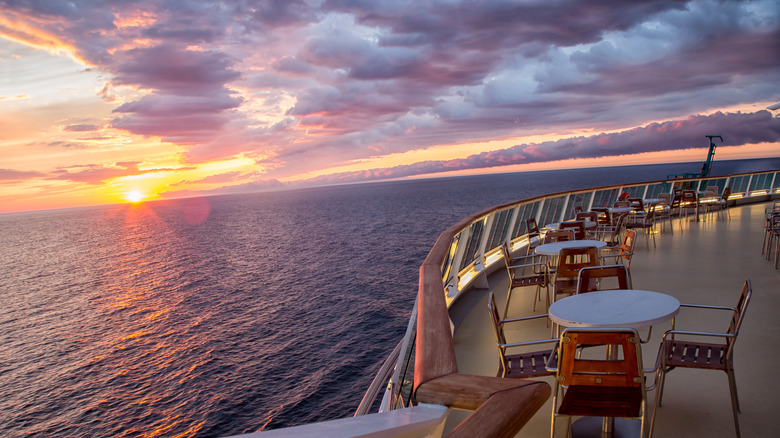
(703, 262)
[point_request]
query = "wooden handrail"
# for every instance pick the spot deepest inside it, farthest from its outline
(501, 406)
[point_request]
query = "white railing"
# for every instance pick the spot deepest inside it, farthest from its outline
(476, 247)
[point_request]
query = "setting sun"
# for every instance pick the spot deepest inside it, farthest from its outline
(135, 196)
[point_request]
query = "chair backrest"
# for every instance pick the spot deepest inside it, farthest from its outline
(603, 215)
(507, 254)
(611, 233)
(622, 204)
(665, 198)
(571, 260)
(558, 236)
(623, 371)
(606, 277)
(577, 226)
(627, 247)
(726, 194)
(739, 314)
(637, 204)
(532, 227)
(689, 196)
(588, 216)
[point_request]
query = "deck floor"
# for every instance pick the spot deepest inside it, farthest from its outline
(703, 262)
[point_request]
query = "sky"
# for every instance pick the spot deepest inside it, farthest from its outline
(114, 100)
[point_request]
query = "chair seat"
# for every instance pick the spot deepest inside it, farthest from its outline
(602, 401)
(530, 364)
(565, 285)
(695, 355)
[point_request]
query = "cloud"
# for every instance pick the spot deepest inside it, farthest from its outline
(82, 127)
(736, 129)
(257, 185)
(100, 173)
(302, 86)
(12, 176)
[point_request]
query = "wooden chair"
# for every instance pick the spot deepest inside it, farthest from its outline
(600, 387)
(611, 233)
(558, 236)
(591, 216)
(637, 204)
(605, 277)
(577, 226)
(723, 203)
(520, 365)
(678, 353)
(526, 271)
(644, 222)
(689, 201)
(570, 261)
(624, 252)
(532, 229)
(663, 211)
(587, 216)
(603, 215)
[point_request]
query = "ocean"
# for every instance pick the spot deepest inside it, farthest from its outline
(216, 316)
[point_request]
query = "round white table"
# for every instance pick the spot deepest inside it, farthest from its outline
(552, 249)
(614, 210)
(614, 308)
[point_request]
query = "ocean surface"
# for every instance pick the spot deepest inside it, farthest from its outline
(230, 314)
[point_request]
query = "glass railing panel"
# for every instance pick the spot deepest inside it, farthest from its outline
(776, 184)
(761, 182)
(551, 210)
(686, 185)
(720, 183)
(525, 212)
(447, 274)
(604, 198)
(577, 200)
(499, 229)
(653, 190)
(740, 183)
(472, 246)
(635, 191)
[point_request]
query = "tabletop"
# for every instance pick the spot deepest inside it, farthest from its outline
(652, 200)
(614, 308)
(620, 209)
(554, 248)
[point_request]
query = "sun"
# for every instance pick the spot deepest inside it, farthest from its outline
(135, 196)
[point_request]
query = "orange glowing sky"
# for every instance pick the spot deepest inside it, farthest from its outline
(99, 103)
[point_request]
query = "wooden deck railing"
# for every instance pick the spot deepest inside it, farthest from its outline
(501, 406)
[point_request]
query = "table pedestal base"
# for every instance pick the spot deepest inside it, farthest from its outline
(591, 427)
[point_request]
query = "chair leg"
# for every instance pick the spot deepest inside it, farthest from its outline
(658, 395)
(508, 297)
(734, 399)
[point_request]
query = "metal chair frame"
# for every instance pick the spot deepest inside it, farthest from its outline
(526, 364)
(689, 354)
(526, 271)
